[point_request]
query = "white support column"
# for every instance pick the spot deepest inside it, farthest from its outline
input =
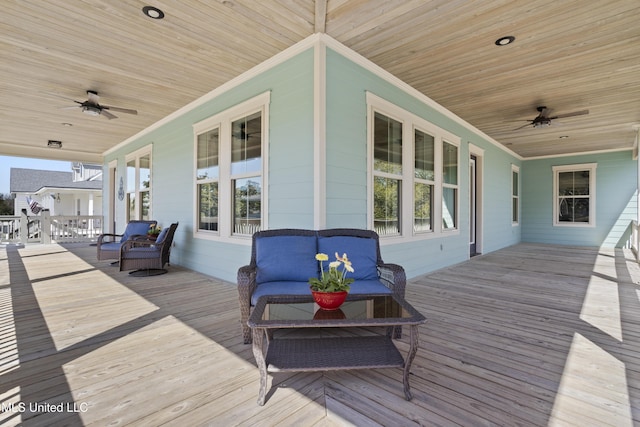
(45, 226)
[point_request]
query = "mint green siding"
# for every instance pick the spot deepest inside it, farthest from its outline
(616, 203)
(290, 160)
(292, 166)
(347, 186)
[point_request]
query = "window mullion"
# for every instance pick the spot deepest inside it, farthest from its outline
(224, 186)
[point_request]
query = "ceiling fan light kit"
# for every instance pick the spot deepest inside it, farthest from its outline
(91, 110)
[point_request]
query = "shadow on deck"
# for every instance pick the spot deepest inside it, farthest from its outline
(528, 335)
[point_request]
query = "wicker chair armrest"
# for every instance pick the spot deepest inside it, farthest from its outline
(246, 281)
(246, 287)
(394, 277)
(137, 243)
(109, 236)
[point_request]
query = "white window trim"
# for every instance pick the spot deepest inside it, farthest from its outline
(135, 155)
(515, 169)
(223, 121)
(411, 122)
(591, 167)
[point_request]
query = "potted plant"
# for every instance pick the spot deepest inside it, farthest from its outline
(331, 289)
(153, 232)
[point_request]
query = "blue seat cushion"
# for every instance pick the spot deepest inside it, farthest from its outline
(369, 287)
(286, 258)
(134, 228)
(111, 246)
(361, 251)
(280, 288)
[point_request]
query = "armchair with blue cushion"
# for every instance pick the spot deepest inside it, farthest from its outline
(145, 256)
(282, 261)
(109, 244)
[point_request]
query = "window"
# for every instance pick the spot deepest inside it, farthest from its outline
(207, 175)
(230, 174)
(246, 173)
(515, 195)
(449, 186)
(424, 181)
(387, 181)
(574, 195)
(414, 174)
(139, 184)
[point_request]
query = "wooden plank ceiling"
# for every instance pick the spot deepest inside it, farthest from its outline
(567, 55)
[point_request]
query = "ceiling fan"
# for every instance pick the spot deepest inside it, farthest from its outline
(92, 107)
(543, 119)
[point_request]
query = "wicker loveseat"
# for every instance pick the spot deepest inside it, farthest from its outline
(283, 260)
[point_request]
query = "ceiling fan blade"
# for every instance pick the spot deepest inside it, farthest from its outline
(575, 113)
(107, 114)
(523, 126)
(57, 95)
(121, 110)
(70, 108)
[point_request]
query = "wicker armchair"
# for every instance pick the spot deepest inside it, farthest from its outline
(109, 244)
(392, 276)
(147, 257)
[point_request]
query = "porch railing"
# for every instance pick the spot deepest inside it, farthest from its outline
(45, 228)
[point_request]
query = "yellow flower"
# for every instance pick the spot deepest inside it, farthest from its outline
(348, 267)
(322, 257)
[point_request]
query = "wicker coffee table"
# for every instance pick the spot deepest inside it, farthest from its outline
(317, 351)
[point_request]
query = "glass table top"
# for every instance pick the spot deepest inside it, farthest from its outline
(301, 311)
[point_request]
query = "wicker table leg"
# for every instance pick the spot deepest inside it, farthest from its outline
(413, 349)
(258, 353)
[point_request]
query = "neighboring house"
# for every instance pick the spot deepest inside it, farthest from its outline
(320, 137)
(78, 192)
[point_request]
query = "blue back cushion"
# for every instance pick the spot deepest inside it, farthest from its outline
(361, 252)
(286, 258)
(134, 228)
(162, 235)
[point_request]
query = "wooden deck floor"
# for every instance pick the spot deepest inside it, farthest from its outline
(529, 335)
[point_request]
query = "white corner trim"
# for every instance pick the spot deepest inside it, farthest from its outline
(319, 135)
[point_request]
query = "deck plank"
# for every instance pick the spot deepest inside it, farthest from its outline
(530, 335)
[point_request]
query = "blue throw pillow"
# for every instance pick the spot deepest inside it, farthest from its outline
(162, 235)
(361, 251)
(286, 258)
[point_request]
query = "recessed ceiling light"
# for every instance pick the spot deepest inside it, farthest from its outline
(54, 144)
(563, 136)
(153, 12)
(67, 125)
(503, 41)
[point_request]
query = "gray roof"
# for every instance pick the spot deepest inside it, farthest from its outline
(32, 180)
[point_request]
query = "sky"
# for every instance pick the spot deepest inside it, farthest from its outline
(8, 162)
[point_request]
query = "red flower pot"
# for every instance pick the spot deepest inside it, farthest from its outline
(329, 300)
